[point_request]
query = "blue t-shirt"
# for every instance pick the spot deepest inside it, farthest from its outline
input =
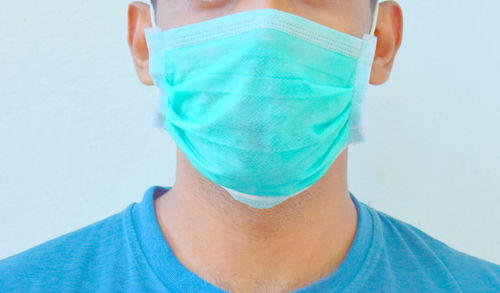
(127, 252)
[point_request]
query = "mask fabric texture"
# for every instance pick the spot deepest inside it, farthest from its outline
(261, 102)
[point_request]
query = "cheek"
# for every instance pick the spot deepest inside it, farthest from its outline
(352, 17)
(175, 13)
(349, 16)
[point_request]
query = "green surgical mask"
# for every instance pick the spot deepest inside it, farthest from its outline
(261, 102)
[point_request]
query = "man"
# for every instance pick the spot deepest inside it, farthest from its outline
(255, 208)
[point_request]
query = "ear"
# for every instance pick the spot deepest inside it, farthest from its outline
(389, 32)
(139, 18)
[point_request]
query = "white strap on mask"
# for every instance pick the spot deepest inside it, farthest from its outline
(153, 15)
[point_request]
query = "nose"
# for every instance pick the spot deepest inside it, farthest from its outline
(283, 5)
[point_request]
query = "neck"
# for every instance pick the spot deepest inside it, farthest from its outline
(230, 244)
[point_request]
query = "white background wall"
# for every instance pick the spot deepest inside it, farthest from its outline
(77, 144)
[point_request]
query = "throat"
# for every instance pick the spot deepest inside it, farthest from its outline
(241, 249)
(268, 279)
(300, 250)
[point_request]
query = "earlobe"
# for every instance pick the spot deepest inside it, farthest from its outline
(138, 19)
(389, 33)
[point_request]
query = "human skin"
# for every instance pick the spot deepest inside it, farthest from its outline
(229, 244)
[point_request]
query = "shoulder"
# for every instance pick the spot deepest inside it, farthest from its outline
(63, 261)
(406, 247)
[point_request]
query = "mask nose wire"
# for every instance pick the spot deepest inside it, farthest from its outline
(375, 15)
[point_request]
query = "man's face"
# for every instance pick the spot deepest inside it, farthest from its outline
(353, 17)
(349, 16)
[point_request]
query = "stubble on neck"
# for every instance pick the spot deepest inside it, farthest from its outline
(236, 247)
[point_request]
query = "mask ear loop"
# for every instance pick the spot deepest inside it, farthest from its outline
(375, 15)
(159, 115)
(153, 15)
(364, 66)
